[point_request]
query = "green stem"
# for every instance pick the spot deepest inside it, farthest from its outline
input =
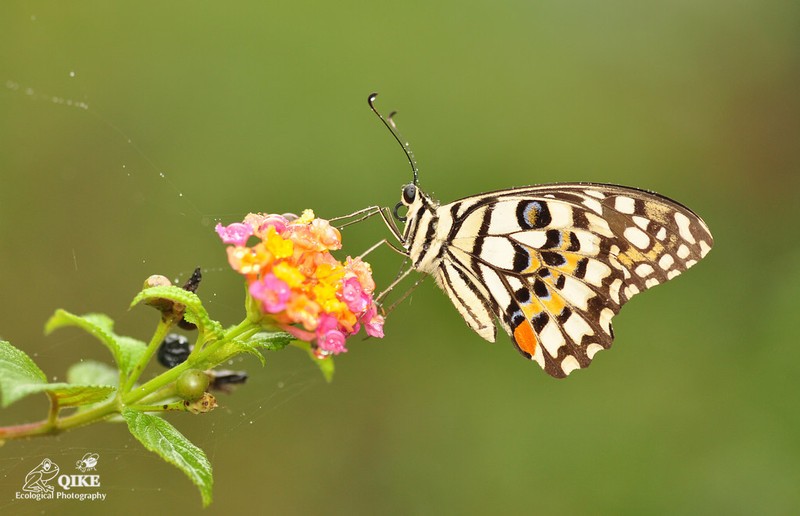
(26, 430)
(49, 426)
(52, 414)
(162, 329)
(156, 383)
(174, 406)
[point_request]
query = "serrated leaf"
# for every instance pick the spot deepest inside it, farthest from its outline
(17, 374)
(125, 350)
(253, 345)
(271, 341)
(263, 341)
(247, 347)
(78, 395)
(171, 292)
(69, 395)
(102, 321)
(160, 437)
(131, 350)
(95, 324)
(91, 372)
(195, 313)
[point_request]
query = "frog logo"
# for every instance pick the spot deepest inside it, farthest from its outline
(36, 480)
(88, 462)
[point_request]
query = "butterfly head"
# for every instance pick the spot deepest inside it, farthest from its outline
(407, 198)
(415, 207)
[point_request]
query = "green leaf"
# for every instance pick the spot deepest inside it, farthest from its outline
(77, 395)
(195, 312)
(90, 372)
(271, 341)
(325, 364)
(160, 437)
(17, 374)
(125, 350)
(95, 324)
(242, 346)
(264, 341)
(69, 395)
(130, 350)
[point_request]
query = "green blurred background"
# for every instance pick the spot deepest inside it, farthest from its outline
(261, 106)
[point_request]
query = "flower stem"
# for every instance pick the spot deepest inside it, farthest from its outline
(162, 329)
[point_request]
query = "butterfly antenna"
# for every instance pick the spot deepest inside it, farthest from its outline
(389, 123)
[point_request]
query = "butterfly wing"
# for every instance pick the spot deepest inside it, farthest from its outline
(555, 263)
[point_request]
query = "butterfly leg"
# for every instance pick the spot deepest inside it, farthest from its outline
(391, 224)
(403, 297)
(383, 242)
(400, 277)
(364, 214)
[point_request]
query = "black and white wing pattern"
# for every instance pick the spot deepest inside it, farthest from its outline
(552, 263)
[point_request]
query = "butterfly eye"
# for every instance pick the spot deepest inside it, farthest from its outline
(409, 194)
(396, 212)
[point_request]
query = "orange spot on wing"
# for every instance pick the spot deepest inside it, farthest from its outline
(525, 337)
(572, 262)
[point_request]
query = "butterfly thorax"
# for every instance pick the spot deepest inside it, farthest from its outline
(426, 233)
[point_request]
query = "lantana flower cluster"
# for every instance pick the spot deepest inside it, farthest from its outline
(297, 282)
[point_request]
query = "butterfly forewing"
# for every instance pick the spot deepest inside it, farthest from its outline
(554, 263)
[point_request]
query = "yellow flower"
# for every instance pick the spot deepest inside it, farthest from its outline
(248, 260)
(306, 217)
(288, 273)
(324, 291)
(276, 245)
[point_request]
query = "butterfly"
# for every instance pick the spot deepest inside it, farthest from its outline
(551, 263)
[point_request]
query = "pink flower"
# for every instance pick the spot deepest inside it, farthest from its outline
(354, 296)
(236, 233)
(261, 223)
(332, 342)
(272, 292)
(373, 323)
(330, 339)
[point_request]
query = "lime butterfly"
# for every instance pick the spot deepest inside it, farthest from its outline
(551, 263)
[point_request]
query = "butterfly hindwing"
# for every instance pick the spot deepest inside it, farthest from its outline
(470, 298)
(554, 263)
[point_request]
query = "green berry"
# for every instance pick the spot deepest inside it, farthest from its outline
(192, 384)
